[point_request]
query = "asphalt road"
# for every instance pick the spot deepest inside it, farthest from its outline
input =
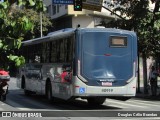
(19, 105)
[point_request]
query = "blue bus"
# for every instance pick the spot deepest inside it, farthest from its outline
(87, 63)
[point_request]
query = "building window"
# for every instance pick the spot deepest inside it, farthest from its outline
(49, 9)
(66, 6)
(57, 8)
(54, 9)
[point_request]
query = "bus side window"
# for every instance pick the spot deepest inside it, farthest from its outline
(57, 72)
(52, 71)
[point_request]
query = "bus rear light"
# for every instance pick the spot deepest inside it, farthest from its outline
(77, 86)
(79, 68)
(79, 73)
(134, 73)
(135, 68)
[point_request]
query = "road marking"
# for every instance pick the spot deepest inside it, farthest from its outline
(27, 109)
(144, 101)
(114, 105)
(125, 104)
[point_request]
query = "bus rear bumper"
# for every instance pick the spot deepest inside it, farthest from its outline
(82, 90)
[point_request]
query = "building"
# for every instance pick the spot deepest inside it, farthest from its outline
(65, 17)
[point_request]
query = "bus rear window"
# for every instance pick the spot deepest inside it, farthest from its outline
(116, 41)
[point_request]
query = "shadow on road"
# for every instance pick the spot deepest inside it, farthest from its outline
(17, 99)
(148, 97)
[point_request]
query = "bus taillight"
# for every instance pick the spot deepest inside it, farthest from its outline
(79, 72)
(79, 68)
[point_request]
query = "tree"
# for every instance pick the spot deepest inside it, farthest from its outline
(35, 19)
(138, 17)
(13, 30)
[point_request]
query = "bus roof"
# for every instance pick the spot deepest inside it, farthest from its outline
(51, 36)
(68, 32)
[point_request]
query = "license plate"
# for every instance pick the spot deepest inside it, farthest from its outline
(106, 83)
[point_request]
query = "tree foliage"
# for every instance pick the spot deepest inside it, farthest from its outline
(34, 17)
(138, 17)
(13, 30)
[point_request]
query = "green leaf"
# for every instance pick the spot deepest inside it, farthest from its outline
(12, 57)
(19, 61)
(24, 19)
(32, 3)
(4, 5)
(1, 45)
(20, 2)
(28, 26)
(19, 42)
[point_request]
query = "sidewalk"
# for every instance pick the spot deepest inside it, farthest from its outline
(148, 96)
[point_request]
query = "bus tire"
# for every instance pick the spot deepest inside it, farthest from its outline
(49, 91)
(26, 92)
(96, 101)
(3, 97)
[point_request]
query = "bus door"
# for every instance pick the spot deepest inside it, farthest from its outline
(106, 58)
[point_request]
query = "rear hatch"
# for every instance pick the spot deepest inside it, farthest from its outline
(102, 61)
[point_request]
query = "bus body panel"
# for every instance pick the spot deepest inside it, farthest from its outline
(101, 62)
(83, 90)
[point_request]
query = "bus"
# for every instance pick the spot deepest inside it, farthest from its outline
(99, 63)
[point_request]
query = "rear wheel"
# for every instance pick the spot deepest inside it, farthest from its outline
(26, 92)
(96, 101)
(3, 97)
(49, 91)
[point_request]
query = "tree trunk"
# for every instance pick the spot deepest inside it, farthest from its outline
(138, 77)
(144, 73)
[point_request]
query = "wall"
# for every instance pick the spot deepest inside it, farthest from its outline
(84, 21)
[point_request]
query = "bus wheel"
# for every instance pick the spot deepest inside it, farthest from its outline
(3, 97)
(49, 91)
(26, 92)
(96, 101)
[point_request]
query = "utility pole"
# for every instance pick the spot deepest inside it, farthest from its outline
(41, 24)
